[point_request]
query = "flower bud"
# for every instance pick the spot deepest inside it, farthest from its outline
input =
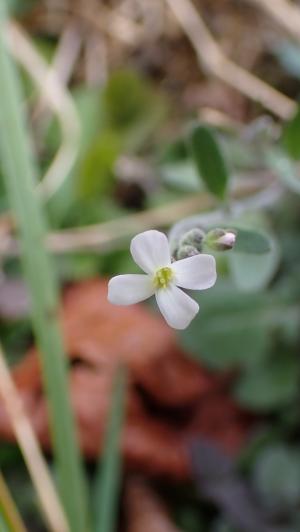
(220, 239)
(194, 238)
(186, 251)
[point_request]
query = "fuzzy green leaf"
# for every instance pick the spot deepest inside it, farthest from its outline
(209, 160)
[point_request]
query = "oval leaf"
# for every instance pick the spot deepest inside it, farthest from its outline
(291, 135)
(248, 241)
(252, 272)
(231, 328)
(209, 160)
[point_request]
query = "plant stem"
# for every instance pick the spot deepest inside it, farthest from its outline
(19, 173)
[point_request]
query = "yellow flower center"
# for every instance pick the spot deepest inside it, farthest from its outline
(163, 277)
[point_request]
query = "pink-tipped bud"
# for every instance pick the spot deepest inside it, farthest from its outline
(220, 239)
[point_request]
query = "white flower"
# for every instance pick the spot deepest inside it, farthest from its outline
(150, 250)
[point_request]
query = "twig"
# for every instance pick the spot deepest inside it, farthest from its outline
(59, 100)
(31, 451)
(212, 58)
(66, 55)
(108, 235)
(9, 508)
(96, 65)
(116, 25)
(285, 13)
(107, 21)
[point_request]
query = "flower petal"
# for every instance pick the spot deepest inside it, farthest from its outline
(129, 289)
(150, 250)
(177, 308)
(196, 273)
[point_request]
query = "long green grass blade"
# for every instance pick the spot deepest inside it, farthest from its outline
(4, 526)
(9, 514)
(109, 469)
(19, 172)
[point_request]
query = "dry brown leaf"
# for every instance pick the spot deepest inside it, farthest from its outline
(171, 398)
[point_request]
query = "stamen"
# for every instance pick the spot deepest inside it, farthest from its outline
(163, 277)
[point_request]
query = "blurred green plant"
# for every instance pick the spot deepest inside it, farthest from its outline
(238, 330)
(276, 477)
(19, 174)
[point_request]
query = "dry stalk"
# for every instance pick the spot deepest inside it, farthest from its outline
(110, 234)
(107, 21)
(60, 102)
(286, 14)
(215, 62)
(62, 66)
(31, 451)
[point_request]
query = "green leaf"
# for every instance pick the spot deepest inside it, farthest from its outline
(209, 160)
(235, 328)
(249, 241)
(229, 329)
(270, 386)
(253, 272)
(276, 476)
(291, 136)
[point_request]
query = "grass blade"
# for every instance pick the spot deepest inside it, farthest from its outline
(4, 527)
(9, 514)
(19, 172)
(109, 469)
